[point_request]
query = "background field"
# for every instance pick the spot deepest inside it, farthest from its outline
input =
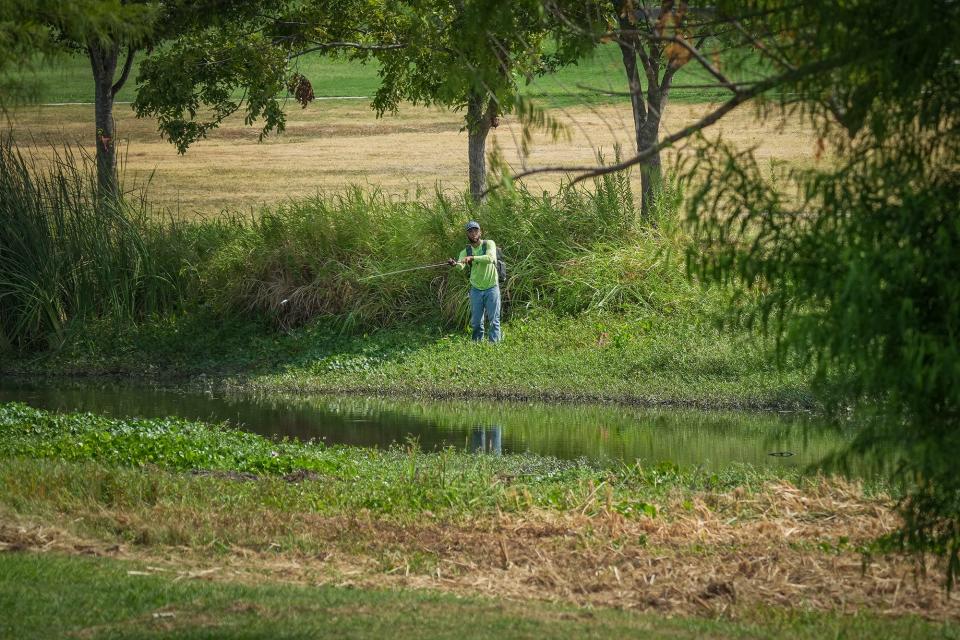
(588, 82)
(339, 142)
(331, 145)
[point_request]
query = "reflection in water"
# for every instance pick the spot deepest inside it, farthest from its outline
(486, 440)
(686, 437)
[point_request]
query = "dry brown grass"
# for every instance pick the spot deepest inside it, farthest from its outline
(716, 554)
(333, 145)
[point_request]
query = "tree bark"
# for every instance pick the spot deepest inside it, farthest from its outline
(651, 173)
(480, 114)
(628, 51)
(647, 108)
(103, 61)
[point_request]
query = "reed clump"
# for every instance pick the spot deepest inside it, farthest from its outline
(68, 254)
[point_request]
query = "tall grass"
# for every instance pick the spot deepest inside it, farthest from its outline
(572, 252)
(67, 254)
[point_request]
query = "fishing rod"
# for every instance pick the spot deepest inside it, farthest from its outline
(390, 273)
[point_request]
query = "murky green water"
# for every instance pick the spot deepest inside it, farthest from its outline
(682, 436)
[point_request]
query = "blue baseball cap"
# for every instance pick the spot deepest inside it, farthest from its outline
(473, 224)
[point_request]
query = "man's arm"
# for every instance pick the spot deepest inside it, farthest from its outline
(489, 256)
(460, 259)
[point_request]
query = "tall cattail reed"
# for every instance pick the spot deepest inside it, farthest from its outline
(67, 254)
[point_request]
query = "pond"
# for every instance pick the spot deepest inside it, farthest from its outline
(597, 432)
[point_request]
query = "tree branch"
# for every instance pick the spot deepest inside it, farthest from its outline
(777, 57)
(716, 73)
(323, 46)
(668, 74)
(627, 94)
(739, 98)
(128, 63)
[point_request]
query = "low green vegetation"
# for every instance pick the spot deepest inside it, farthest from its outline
(598, 304)
(123, 487)
(544, 356)
(45, 595)
(403, 481)
(66, 79)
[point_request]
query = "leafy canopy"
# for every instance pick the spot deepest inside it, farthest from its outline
(856, 258)
(247, 64)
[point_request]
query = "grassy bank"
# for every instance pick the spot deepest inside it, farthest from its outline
(599, 358)
(71, 595)
(753, 552)
(598, 305)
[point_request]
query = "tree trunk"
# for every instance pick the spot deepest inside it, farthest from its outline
(103, 60)
(647, 109)
(651, 172)
(480, 114)
(628, 51)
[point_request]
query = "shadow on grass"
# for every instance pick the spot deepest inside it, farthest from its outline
(203, 344)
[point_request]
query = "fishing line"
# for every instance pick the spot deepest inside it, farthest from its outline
(390, 273)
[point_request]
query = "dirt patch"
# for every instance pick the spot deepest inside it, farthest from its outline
(712, 555)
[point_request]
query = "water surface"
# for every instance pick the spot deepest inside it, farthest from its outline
(597, 432)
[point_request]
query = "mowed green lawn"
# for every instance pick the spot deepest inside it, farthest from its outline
(48, 596)
(68, 79)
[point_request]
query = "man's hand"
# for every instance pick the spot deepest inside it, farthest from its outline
(468, 260)
(451, 262)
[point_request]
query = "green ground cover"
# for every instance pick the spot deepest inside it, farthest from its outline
(47, 595)
(402, 481)
(603, 357)
(68, 79)
(174, 498)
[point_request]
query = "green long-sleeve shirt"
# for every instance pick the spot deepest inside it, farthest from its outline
(483, 273)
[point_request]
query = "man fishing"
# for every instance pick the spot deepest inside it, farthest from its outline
(479, 257)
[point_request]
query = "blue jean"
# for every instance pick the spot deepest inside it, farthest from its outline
(486, 440)
(485, 301)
